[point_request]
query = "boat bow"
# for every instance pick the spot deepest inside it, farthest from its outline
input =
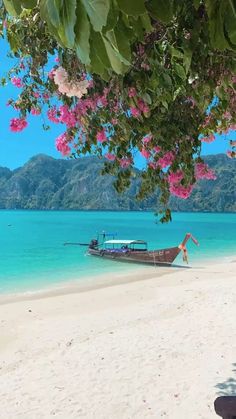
(182, 246)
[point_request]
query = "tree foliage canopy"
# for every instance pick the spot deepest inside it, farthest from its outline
(155, 77)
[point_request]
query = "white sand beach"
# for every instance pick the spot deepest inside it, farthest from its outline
(157, 347)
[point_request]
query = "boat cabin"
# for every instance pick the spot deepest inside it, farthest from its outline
(125, 246)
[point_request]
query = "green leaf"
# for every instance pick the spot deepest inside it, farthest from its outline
(112, 17)
(54, 32)
(29, 4)
(165, 80)
(179, 71)
(161, 10)
(50, 11)
(132, 7)
(176, 52)
(146, 22)
(137, 28)
(97, 11)
(98, 55)
(82, 33)
(13, 41)
(196, 4)
(68, 19)
(119, 40)
(215, 12)
(230, 26)
(187, 59)
(147, 98)
(233, 7)
(13, 7)
(115, 61)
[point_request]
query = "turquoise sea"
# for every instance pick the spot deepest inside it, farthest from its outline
(33, 255)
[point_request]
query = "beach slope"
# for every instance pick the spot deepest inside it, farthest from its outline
(160, 347)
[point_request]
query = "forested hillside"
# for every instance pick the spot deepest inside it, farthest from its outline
(47, 183)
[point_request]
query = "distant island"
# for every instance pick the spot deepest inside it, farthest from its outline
(47, 183)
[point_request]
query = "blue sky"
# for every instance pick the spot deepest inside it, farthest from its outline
(17, 148)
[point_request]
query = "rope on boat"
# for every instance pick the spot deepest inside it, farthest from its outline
(154, 259)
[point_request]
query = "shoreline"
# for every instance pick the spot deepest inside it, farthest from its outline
(103, 280)
(158, 347)
(89, 283)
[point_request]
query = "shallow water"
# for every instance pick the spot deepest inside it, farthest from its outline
(33, 255)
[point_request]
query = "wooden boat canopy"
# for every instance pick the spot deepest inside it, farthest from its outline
(125, 242)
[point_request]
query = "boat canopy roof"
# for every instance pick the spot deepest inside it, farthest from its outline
(125, 242)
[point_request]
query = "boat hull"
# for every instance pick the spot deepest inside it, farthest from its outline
(154, 257)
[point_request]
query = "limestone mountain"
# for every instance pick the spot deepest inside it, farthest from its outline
(48, 183)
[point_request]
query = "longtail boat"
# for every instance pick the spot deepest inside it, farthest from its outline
(136, 251)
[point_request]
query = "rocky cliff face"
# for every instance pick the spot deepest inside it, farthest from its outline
(47, 183)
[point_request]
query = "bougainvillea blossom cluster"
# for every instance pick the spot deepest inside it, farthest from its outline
(163, 107)
(18, 124)
(181, 191)
(62, 145)
(68, 87)
(203, 171)
(17, 82)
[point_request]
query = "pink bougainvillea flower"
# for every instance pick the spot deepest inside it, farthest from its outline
(227, 115)
(145, 66)
(36, 95)
(125, 162)
(51, 74)
(207, 121)
(157, 149)
(60, 75)
(16, 81)
(67, 116)
(135, 112)
(153, 165)
(53, 115)
(101, 136)
(143, 107)
(145, 153)
(181, 191)
(102, 101)
(35, 111)
(175, 177)
(208, 139)
(132, 92)
(203, 171)
(166, 160)
(141, 104)
(46, 96)
(62, 145)
(147, 138)
(69, 88)
(18, 124)
(110, 156)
